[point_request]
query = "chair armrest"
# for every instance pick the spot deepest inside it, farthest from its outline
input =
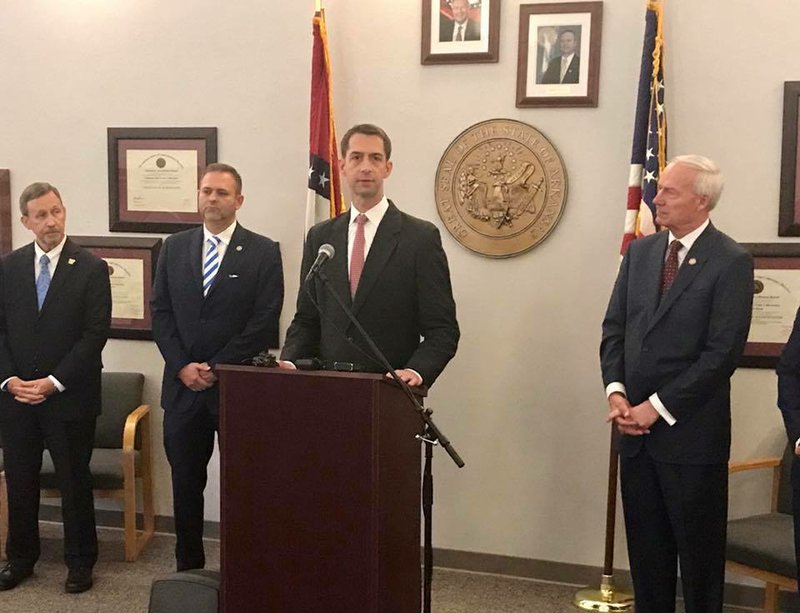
(142, 412)
(737, 467)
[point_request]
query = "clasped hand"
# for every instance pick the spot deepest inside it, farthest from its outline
(631, 420)
(197, 377)
(35, 391)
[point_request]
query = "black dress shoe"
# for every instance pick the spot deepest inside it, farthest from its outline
(78, 580)
(12, 575)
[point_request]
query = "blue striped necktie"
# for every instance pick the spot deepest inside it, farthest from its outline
(43, 280)
(210, 263)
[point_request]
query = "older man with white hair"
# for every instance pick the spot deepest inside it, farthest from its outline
(675, 327)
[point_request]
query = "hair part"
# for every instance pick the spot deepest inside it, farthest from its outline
(226, 168)
(368, 129)
(34, 191)
(708, 177)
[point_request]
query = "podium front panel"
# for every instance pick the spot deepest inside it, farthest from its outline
(320, 493)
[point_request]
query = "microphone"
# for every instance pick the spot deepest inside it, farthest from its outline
(325, 253)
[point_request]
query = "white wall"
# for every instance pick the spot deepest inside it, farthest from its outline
(522, 401)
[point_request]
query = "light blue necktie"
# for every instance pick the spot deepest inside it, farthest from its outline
(43, 280)
(210, 263)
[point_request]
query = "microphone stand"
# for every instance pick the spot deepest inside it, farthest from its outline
(431, 436)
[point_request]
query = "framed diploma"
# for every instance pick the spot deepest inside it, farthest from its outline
(153, 176)
(5, 211)
(775, 301)
(789, 211)
(132, 268)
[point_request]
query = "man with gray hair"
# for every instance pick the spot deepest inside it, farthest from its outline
(675, 327)
(55, 314)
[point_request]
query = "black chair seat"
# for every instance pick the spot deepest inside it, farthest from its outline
(763, 541)
(105, 466)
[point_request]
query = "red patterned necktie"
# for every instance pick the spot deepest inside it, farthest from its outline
(670, 266)
(357, 259)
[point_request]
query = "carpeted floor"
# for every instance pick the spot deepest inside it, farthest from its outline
(122, 587)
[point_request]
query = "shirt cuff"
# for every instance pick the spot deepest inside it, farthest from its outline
(796, 443)
(4, 383)
(57, 383)
(616, 387)
(662, 410)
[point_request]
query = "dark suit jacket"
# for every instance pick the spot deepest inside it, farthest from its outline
(684, 348)
(789, 393)
(446, 27)
(237, 320)
(65, 339)
(404, 293)
(553, 72)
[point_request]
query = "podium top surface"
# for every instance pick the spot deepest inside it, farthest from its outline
(421, 391)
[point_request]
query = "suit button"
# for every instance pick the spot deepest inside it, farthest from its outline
(349, 339)
(645, 349)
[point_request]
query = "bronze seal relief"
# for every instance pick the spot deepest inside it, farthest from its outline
(501, 187)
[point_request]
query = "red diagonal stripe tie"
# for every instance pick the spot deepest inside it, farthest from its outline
(670, 266)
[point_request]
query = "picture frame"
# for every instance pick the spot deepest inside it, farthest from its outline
(5, 211)
(444, 41)
(153, 177)
(549, 33)
(775, 302)
(789, 210)
(132, 268)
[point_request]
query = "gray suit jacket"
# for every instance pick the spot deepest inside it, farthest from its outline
(684, 347)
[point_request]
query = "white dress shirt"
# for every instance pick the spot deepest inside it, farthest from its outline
(225, 240)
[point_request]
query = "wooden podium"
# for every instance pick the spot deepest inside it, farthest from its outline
(320, 488)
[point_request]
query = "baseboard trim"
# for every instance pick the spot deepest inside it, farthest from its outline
(578, 575)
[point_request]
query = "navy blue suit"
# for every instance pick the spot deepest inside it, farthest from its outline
(789, 404)
(235, 321)
(65, 339)
(684, 347)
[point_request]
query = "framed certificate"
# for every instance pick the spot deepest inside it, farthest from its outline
(5, 211)
(775, 301)
(153, 176)
(132, 268)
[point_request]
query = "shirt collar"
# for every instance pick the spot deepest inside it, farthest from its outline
(225, 236)
(688, 240)
(53, 253)
(374, 214)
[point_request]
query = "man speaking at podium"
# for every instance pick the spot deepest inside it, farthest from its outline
(388, 267)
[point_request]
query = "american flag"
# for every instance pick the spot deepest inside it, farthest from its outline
(649, 155)
(324, 186)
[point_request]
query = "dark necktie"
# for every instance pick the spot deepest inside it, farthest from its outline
(670, 266)
(43, 280)
(357, 259)
(460, 34)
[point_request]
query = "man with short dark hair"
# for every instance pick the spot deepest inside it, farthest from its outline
(565, 67)
(389, 268)
(217, 299)
(675, 327)
(55, 314)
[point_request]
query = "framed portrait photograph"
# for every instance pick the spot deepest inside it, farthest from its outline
(132, 268)
(460, 31)
(789, 212)
(559, 54)
(5, 211)
(776, 297)
(153, 176)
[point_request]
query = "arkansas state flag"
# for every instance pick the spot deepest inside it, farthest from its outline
(324, 188)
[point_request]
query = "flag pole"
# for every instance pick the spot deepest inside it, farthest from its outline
(607, 599)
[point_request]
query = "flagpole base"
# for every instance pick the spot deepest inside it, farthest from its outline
(604, 600)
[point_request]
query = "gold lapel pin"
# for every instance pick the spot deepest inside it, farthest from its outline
(238, 247)
(692, 261)
(71, 261)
